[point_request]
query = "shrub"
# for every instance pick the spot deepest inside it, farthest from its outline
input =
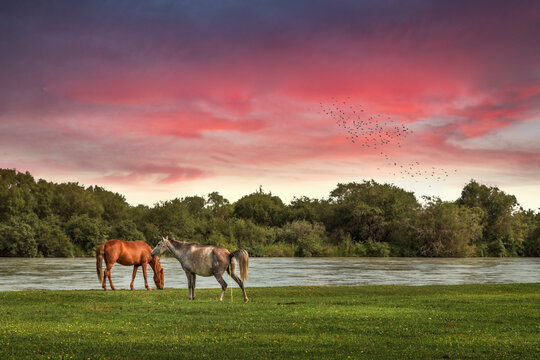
(310, 239)
(248, 236)
(86, 232)
(377, 249)
(448, 229)
(126, 230)
(223, 241)
(532, 243)
(17, 238)
(280, 250)
(52, 240)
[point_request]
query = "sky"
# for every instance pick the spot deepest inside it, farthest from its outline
(164, 99)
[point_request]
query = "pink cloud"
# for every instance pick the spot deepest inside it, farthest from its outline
(246, 102)
(161, 175)
(188, 123)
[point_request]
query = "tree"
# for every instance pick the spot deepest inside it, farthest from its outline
(447, 229)
(497, 220)
(218, 205)
(309, 238)
(70, 199)
(44, 193)
(381, 212)
(304, 208)
(52, 240)
(17, 237)
(86, 232)
(248, 236)
(195, 205)
(115, 207)
(172, 218)
(16, 193)
(262, 209)
(532, 239)
(126, 230)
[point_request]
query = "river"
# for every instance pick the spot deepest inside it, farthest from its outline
(80, 273)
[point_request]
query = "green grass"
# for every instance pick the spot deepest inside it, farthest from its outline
(392, 322)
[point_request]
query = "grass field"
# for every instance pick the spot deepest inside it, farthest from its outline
(392, 322)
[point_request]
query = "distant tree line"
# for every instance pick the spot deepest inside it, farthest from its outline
(41, 218)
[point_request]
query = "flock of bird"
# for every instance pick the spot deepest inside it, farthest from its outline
(377, 132)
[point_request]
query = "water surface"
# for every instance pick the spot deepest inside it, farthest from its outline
(80, 273)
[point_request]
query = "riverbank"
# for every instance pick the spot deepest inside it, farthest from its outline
(430, 322)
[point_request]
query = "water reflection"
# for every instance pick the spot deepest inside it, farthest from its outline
(68, 274)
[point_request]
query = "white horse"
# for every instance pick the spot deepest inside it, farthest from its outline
(206, 260)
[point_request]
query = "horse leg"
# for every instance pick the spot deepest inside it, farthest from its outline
(188, 275)
(240, 283)
(223, 284)
(135, 268)
(144, 274)
(108, 274)
(104, 281)
(193, 277)
(105, 273)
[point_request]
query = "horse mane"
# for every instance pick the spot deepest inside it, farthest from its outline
(181, 242)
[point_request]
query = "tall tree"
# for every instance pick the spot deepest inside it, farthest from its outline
(447, 229)
(261, 208)
(497, 221)
(369, 210)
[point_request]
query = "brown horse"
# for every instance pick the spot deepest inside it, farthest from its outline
(136, 253)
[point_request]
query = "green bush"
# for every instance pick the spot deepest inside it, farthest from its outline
(496, 248)
(280, 250)
(219, 239)
(86, 232)
(358, 249)
(17, 238)
(52, 240)
(248, 236)
(377, 249)
(532, 244)
(448, 229)
(126, 230)
(310, 239)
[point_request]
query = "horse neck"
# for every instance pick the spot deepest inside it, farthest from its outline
(176, 248)
(153, 264)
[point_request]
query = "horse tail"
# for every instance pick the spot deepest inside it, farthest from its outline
(100, 251)
(243, 261)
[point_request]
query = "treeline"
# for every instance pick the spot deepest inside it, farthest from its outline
(41, 218)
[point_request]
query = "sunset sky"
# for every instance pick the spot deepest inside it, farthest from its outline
(164, 99)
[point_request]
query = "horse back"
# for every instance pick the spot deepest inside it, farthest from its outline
(203, 259)
(127, 252)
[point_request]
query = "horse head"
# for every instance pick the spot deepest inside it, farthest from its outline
(160, 247)
(159, 274)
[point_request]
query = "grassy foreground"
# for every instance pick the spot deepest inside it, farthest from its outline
(393, 322)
